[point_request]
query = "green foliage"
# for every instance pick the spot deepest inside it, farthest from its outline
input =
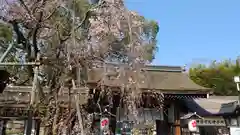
(5, 32)
(150, 31)
(218, 76)
(62, 20)
(148, 35)
(80, 7)
(14, 132)
(6, 36)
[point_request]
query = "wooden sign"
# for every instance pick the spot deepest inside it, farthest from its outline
(210, 122)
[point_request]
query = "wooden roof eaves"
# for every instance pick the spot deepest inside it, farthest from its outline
(85, 89)
(45, 89)
(163, 68)
(171, 91)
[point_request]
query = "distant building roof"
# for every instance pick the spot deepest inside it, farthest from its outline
(154, 78)
(190, 115)
(210, 106)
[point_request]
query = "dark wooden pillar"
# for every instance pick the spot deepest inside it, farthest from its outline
(29, 122)
(162, 127)
(116, 104)
(38, 124)
(35, 124)
(177, 110)
(3, 127)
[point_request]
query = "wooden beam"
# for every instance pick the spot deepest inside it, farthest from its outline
(20, 64)
(14, 105)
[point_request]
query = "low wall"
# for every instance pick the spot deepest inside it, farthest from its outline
(22, 94)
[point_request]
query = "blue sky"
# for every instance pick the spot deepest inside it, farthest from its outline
(193, 31)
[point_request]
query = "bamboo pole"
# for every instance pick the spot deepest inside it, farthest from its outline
(6, 52)
(73, 82)
(35, 83)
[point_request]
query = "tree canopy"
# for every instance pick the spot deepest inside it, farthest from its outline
(218, 76)
(92, 25)
(73, 37)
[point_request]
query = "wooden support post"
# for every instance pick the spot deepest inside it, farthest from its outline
(3, 127)
(78, 109)
(29, 122)
(79, 114)
(37, 126)
(177, 120)
(33, 96)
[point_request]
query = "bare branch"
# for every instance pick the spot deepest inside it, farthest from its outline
(4, 19)
(87, 15)
(51, 14)
(35, 31)
(26, 8)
